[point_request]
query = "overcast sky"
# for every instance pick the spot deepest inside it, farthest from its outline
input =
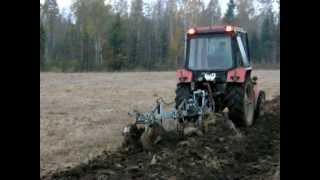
(65, 4)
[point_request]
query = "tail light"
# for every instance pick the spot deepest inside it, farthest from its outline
(184, 75)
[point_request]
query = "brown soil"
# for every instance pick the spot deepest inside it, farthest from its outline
(218, 154)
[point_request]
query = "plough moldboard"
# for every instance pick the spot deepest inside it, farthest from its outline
(187, 117)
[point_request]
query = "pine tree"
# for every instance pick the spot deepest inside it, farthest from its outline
(116, 45)
(213, 12)
(135, 32)
(42, 46)
(245, 13)
(229, 16)
(254, 47)
(267, 40)
(50, 19)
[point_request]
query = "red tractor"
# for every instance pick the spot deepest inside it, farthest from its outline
(216, 76)
(217, 60)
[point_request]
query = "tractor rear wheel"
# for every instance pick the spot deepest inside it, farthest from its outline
(241, 104)
(183, 92)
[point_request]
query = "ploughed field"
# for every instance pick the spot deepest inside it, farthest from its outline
(82, 115)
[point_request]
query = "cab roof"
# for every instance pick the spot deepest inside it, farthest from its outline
(216, 29)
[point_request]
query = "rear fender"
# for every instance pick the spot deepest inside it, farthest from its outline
(238, 75)
(184, 76)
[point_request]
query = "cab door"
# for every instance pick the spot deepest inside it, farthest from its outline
(242, 51)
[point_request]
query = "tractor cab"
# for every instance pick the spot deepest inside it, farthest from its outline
(215, 50)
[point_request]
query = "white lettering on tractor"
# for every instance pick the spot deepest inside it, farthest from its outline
(210, 77)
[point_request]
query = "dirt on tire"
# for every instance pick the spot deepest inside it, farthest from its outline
(218, 154)
(182, 92)
(236, 104)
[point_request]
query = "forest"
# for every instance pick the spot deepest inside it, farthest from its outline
(141, 35)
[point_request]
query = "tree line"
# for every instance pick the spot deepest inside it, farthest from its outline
(135, 35)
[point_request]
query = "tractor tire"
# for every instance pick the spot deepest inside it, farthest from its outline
(240, 103)
(183, 91)
(259, 111)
